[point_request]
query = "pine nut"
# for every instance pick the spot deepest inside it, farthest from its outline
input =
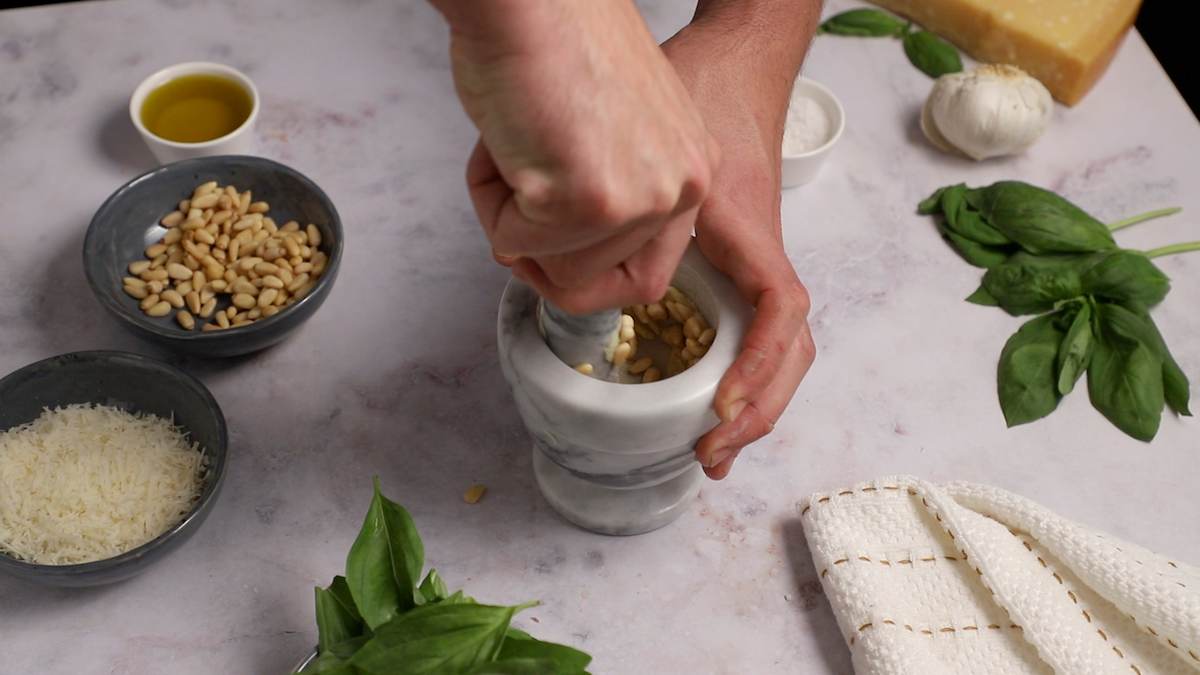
(223, 320)
(159, 274)
(706, 338)
(154, 286)
(185, 319)
(290, 226)
(158, 262)
(270, 311)
(692, 328)
(210, 327)
(244, 202)
(224, 202)
(301, 268)
(185, 206)
(234, 248)
(133, 281)
(651, 375)
(267, 297)
(183, 288)
(242, 285)
(265, 268)
(281, 298)
(585, 368)
(627, 334)
(173, 297)
(269, 225)
(172, 236)
(243, 301)
(177, 271)
(148, 301)
(474, 494)
(640, 365)
(246, 264)
(163, 308)
(273, 281)
(193, 302)
(207, 201)
(155, 250)
(299, 281)
(138, 292)
(258, 207)
(192, 224)
(314, 235)
(673, 335)
(221, 216)
(643, 332)
(204, 237)
(203, 189)
(621, 354)
(139, 266)
(172, 219)
(208, 308)
(254, 314)
(656, 311)
(284, 275)
(292, 247)
(695, 348)
(243, 224)
(230, 275)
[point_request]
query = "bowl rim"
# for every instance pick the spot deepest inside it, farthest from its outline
(828, 94)
(170, 331)
(207, 495)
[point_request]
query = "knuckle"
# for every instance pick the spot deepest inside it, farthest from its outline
(650, 285)
(798, 299)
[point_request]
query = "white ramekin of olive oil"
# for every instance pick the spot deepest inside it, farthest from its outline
(195, 109)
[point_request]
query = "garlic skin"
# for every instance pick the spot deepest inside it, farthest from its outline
(991, 111)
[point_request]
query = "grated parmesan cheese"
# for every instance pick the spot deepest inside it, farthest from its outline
(83, 483)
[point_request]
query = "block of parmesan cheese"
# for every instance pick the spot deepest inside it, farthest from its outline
(1067, 44)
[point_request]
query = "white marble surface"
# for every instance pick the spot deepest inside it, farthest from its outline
(398, 376)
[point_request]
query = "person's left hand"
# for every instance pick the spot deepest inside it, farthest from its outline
(739, 231)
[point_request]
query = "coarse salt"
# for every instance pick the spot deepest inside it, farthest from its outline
(808, 126)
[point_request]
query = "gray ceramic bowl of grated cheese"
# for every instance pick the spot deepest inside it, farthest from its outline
(136, 384)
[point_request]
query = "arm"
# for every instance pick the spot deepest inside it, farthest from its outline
(738, 59)
(592, 159)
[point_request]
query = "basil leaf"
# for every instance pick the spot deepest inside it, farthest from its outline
(1041, 221)
(457, 598)
(1176, 390)
(433, 588)
(1026, 378)
(328, 664)
(1126, 276)
(523, 667)
(966, 221)
(982, 297)
(1026, 284)
(341, 592)
(933, 203)
(1075, 350)
(439, 638)
(973, 252)
(974, 198)
(931, 54)
(863, 23)
(346, 649)
(334, 623)
(1125, 376)
(564, 658)
(385, 562)
(517, 634)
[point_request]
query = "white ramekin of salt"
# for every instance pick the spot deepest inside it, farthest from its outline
(815, 120)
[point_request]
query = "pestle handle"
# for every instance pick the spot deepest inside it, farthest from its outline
(584, 338)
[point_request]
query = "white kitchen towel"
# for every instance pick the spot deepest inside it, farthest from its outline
(965, 578)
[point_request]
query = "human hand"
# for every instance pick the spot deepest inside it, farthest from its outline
(739, 231)
(592, 158)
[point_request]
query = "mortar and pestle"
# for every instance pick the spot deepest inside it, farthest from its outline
(612, 457)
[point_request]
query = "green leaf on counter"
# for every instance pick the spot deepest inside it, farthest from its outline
(433, 588)
(965, 220)
(1126, 276)
(441, 638)
(328, 664)
(979, 255)
(565, 659)
(385, 562)
(334, 622)
(863, 23)
(1041, 221)
(931, 54)
(1075, 351)
(982, 297)
(933, 203)
(1125, 376)
(1028, 284)
(1176, 389)
(1026, 377)
(523, 667)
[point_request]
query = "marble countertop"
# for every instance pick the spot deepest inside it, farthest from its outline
(397, 375)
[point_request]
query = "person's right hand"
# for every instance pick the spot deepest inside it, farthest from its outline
(592, 160)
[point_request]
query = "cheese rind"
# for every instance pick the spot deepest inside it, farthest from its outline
(1067, 44)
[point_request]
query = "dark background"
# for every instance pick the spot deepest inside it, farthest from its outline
(1161, 22)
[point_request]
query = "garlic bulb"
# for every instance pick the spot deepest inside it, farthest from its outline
(990, 111)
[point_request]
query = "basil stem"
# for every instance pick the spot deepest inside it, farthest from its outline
(1173, 249)
(1142, 217)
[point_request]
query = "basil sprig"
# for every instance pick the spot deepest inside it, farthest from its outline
(928, 52)
(380, 620)
(1044, 256)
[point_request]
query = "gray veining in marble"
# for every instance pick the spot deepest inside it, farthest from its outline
(398, 374)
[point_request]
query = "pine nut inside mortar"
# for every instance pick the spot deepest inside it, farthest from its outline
(221, 252)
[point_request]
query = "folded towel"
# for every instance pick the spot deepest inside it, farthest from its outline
(965, 578)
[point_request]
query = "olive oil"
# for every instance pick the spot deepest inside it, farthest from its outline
(196, 108)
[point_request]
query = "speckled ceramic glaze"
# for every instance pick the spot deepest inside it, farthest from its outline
(617, 458)
(137, 384)
(128, 222)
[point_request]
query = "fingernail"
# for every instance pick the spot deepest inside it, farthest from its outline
(719, 455)
(732, 410)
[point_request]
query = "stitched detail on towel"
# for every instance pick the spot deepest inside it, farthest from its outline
(865, 489)
(1074, 599)
(930, 631)
(888, 563)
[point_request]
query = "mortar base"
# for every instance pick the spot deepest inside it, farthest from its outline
(615, 511)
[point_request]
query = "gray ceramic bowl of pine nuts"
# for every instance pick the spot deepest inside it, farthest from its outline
(214, 256)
